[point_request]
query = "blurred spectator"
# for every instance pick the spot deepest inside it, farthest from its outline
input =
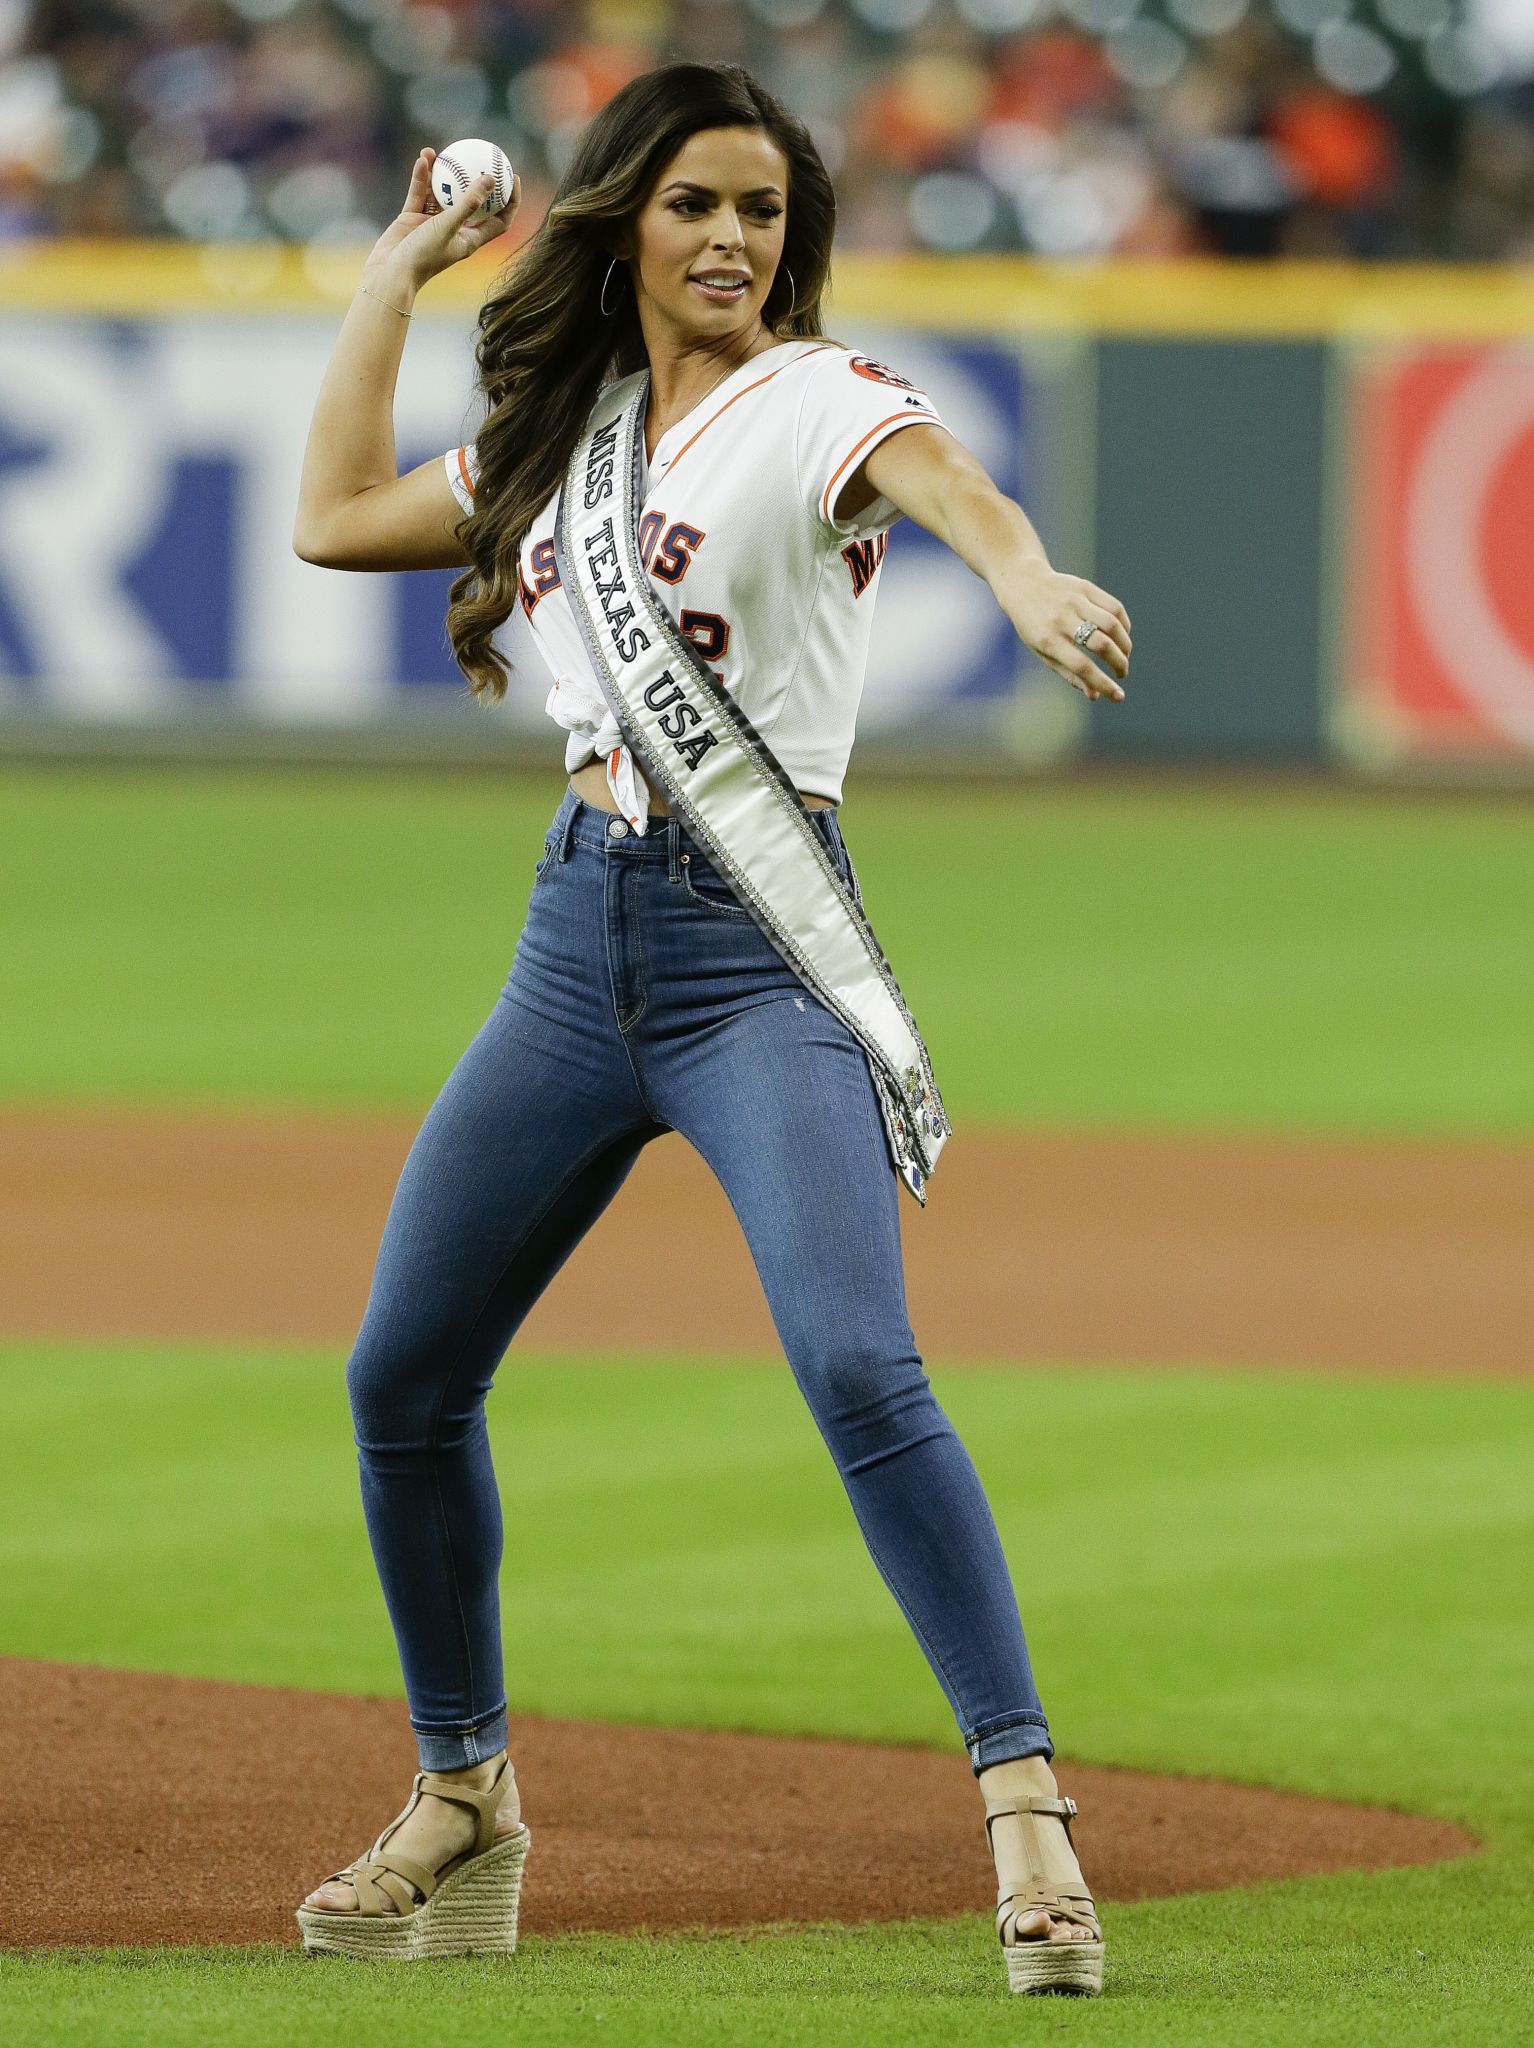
(1354, 128)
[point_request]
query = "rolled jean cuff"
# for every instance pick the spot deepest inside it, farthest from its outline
(995, 1742)
(451, 1749)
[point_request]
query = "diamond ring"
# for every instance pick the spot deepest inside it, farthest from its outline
(1084, 632)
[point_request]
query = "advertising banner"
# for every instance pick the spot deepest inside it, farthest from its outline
(148, 482)
(1435, 603)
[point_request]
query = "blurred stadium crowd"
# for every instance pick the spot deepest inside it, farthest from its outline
(1368, 128)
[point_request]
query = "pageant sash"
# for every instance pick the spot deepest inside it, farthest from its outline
(697, 746)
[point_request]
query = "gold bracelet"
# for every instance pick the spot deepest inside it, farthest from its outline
(384, 302)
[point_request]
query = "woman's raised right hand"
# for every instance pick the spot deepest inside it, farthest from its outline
(424, 239)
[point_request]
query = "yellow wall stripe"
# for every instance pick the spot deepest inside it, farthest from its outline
(1194, 297)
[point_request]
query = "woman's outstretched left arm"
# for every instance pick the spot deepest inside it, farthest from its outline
(936, 481)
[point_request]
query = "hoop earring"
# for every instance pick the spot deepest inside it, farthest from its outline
(602, 305)
(793, 292)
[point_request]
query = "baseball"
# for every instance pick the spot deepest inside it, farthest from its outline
(460, 164)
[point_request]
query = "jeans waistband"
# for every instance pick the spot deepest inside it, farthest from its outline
(578, 823)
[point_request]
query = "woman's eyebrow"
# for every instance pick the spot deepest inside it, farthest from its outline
(708, 192)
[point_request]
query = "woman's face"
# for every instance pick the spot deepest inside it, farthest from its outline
(716, 211)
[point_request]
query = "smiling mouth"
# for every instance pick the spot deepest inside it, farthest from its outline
(724, 287)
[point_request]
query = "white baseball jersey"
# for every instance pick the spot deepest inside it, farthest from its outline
(738, 537)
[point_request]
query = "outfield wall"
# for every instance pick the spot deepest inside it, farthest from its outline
(1313, 486)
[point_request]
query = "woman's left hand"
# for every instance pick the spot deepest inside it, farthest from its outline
(1048, 608)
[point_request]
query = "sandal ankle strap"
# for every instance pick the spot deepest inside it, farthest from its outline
(483, 1805)
(1023, 1809)
(1034, 1802)
(1069, 1900)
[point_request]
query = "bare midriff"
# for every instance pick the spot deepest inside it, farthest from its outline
(589, 782)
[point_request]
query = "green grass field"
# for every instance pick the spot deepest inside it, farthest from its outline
(1312, 1581)
(1102, 956)
(1301, 1581)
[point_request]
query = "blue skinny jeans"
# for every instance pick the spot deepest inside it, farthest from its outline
(643, 998)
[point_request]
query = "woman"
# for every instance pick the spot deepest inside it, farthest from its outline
(688, 245)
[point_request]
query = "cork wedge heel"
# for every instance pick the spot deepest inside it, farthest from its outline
(405, 1911)
(1038, 1964)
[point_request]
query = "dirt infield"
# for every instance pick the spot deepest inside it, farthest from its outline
(1386, 1255)
(180, 1809)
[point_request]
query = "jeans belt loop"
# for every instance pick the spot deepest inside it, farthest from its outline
(567, 830)
(673, 841)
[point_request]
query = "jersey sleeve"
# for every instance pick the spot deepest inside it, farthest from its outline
(462, 465)
(851, 403)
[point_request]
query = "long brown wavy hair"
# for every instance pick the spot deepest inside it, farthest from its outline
(544, 349)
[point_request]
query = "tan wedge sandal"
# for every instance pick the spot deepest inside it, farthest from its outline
(405, 1911)
(1037, 1963)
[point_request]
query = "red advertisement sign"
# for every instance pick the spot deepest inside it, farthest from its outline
(1437, 598)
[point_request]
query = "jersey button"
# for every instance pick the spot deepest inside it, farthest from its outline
(617, 828)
